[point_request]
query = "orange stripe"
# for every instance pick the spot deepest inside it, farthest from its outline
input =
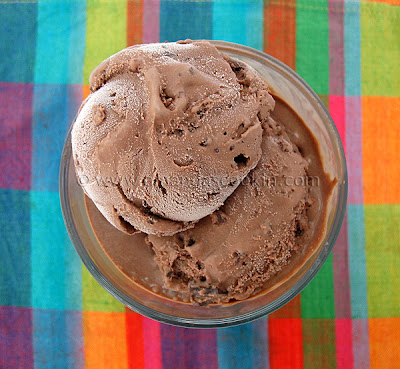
(134, 338)
(86, 91)
(390, 2)
(134, 22)
(381, 132)
(285, 343)
(384, 342)
(280, 30)
(105, 340)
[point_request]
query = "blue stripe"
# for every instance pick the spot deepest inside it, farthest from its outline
(238, 21)
(56, 268)
(229, 21)
(357, 261)
(255, 24)
(235, 347)
(77, 42)
(185, 19)
(15, 248)
(361, 344)
(352, 46)
(259, 344)
(18, 39)
(54, 107)
(60, 42)
(57, 339)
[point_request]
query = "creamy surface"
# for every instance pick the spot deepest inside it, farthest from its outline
(267, 227)
(167, 134)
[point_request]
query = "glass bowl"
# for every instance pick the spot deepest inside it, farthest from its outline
(286, 84)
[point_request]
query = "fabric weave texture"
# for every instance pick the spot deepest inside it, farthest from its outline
(52, 312)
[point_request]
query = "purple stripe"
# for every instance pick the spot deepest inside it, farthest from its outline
(336, 86)
(16, 338)
(201, 348)
(341, 281)
(336, 47)
(341, 275)
(58, 339)
(15, 135)
(354, 149)
(172, 346)
(188, 348)
(361, 343)
(151, 21)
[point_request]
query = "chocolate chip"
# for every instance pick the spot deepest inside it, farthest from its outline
(241, 160)
(219, 217)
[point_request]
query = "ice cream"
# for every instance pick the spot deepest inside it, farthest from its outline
(168, 131)
(182, 147)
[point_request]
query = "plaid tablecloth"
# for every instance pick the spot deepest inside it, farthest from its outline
(52, 312)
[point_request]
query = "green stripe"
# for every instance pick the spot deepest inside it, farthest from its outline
(319, 347)
(105, 32)
(312, 63)
(312, 43)
(105, 35)
(95, 297)
(380, 49)
(382, 244)
(317, 300)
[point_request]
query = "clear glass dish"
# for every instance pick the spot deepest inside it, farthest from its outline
(303, 100)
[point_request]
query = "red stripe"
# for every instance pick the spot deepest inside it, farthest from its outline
(134, 340)
(291, 310)
(285, 343)
(337, 109)
(280, 31)
(344, 344)
(134, 22)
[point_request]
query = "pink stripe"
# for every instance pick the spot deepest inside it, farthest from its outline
(151, 21)
(341, 274)
(344, 351)
(337, 109)
(152, 344)
(336, 47)
(354, 149)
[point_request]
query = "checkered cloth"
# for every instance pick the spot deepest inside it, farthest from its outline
(52, 312)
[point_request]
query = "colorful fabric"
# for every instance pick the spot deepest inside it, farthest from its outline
(52, 312)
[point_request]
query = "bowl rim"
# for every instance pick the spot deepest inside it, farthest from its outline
(223, 46)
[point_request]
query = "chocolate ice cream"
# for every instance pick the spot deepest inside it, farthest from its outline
(182, 147)
(168, 131)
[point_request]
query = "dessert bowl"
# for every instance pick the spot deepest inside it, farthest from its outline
(291, 88)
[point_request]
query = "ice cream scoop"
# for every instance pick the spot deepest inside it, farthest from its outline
(233, 252)
(167, 134)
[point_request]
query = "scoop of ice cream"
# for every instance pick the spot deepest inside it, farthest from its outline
(230, 254)
(167, 134)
